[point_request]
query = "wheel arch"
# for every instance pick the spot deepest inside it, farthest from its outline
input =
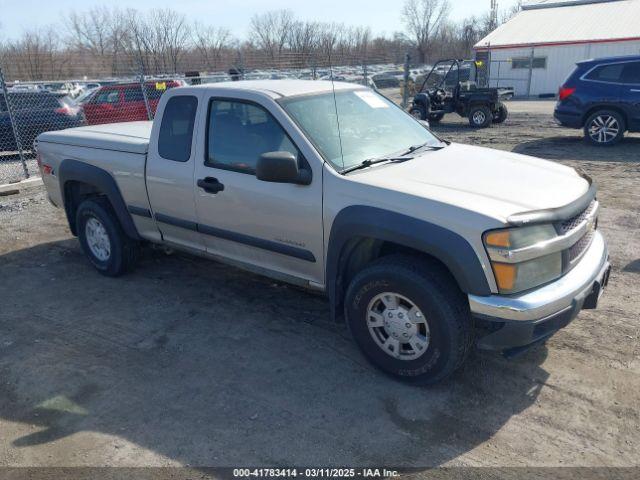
(360, 234)
(79, 181)
(596, 108)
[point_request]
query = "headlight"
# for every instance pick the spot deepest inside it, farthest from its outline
(519, 258)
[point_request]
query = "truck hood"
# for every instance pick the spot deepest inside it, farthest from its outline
(491, 182)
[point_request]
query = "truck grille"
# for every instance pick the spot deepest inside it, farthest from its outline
(575, 252)
(581, 246)
(573, 222)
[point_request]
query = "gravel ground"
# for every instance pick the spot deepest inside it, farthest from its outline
(188, 362)
(11, 168)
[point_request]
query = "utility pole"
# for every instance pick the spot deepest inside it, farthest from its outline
(494, 15)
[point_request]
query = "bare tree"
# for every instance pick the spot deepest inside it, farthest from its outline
(511, 12)
(98, 32)
(171, 34)
(270, 31)
(36, 55)
(304, 38)
(423, 19)
(210, 42)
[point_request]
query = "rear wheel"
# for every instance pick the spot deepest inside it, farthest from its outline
(480, 116)
(604, 128)
(409, 318)
(102, 239)
(501, 114)
(436, 117)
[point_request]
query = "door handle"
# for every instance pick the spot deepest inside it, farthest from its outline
(210, 185)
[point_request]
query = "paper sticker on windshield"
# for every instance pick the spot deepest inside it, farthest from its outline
(373, 100)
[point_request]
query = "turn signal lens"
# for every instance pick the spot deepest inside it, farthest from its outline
(499, 239)
(505, 276)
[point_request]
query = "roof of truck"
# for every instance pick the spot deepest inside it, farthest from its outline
(283, 88)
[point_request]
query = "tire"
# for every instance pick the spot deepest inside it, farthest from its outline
(102, 239)
(417, 112)
(501, 114)
(442, 307)
(436, 117)
(480, 116)
(604, 128)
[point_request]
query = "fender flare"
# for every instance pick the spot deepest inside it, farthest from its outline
(369, 222)
(73, 170)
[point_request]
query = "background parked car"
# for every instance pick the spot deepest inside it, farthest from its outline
(35, 112)
(64, 89)
(125, 102)
(603, 97)
(86, 95)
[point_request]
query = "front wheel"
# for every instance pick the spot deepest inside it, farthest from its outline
(604, 128)
(480, 116)
(102, 239)
(409, 318)
(418, 112)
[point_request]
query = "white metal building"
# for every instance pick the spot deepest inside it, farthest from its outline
(535, 51)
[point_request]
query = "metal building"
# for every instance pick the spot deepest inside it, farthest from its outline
(536, 50)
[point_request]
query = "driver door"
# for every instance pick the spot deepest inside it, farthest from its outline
(274, 226)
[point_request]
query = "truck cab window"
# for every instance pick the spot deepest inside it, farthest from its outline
(240, 132)
(176, 130)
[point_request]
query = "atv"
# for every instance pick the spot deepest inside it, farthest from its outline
(451, 87)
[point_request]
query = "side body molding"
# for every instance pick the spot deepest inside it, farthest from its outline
(384, 225)
(72, 170)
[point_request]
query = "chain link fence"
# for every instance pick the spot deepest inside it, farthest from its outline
(130, 91)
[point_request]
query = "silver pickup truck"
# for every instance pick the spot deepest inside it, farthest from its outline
(424, 248)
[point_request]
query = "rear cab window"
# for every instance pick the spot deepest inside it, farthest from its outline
(176, 129)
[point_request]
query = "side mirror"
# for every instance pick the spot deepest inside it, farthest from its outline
(281, 167)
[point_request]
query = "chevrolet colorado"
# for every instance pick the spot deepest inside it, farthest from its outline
(425, 248)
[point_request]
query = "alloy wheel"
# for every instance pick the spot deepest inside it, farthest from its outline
(604, 128)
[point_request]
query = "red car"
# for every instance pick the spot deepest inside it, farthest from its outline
(125, 102)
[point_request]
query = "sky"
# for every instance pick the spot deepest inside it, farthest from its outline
(383, 16)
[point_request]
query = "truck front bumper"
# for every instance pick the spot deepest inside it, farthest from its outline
(512, 323)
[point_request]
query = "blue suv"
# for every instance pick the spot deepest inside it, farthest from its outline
(603, 97)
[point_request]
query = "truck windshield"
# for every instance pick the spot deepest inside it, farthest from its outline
(356, 126)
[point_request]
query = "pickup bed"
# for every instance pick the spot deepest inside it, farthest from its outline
(424, 248)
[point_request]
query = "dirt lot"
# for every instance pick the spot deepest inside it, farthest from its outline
(187, 362)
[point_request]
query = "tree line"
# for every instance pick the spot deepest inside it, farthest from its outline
(111, 42)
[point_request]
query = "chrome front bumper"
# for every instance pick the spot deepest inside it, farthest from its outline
(551, 299)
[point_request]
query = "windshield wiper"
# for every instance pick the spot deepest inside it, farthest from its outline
(402, 157)
(415, 148)
(369, 162)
